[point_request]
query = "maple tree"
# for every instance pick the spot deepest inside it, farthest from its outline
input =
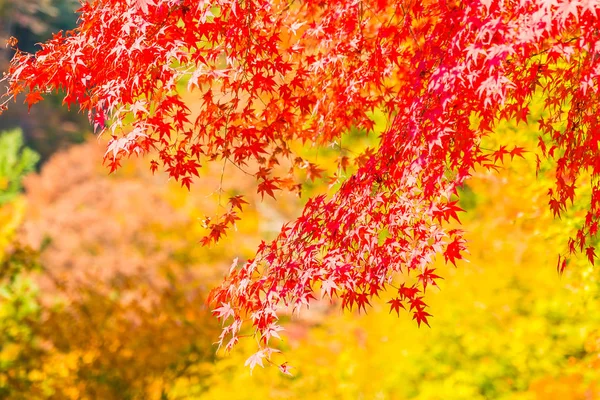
(52, 126)
(273, 75)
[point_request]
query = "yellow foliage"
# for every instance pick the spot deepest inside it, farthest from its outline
(11, 216)
(505, 325)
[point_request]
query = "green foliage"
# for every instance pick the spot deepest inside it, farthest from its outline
(20, 310)
(15, 162)
(20, 353)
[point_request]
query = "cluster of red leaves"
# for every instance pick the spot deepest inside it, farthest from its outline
(271, 72)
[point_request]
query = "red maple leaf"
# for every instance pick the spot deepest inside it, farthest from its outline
(32, 98)
(395, 305)
(237, 202)
(267, 186)
(421, 316)
(591, 254)
(427, 277)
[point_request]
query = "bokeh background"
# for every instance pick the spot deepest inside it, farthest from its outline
(103, 282)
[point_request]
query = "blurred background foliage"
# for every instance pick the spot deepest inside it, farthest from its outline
(103, 282)
(103, 289)
(505, 326)
(15, 163)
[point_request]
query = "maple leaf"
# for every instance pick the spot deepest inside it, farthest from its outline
(255, 359)
(395, 305)
(32, 98)
(328, 287)
(408, 292)
(454, 250)
(361, 301)
(421, 317)
(142, 5)
(417, 303)
(591, 254)
(272, 330)
(556, 207)
(561, 264)
(224, 312)
(153, 166)
(285, 369)
(267, 186)
(428, 277)
(186, 181)
(313, 172)
(500, 153)
(237, 202)
(517, 152)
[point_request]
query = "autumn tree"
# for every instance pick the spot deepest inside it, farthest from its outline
(52, 126)
(116, 308)
(274, 75)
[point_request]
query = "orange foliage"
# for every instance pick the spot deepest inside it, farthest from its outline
(122, 286)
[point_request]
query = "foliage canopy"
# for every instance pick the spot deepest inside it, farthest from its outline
(272, 75)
